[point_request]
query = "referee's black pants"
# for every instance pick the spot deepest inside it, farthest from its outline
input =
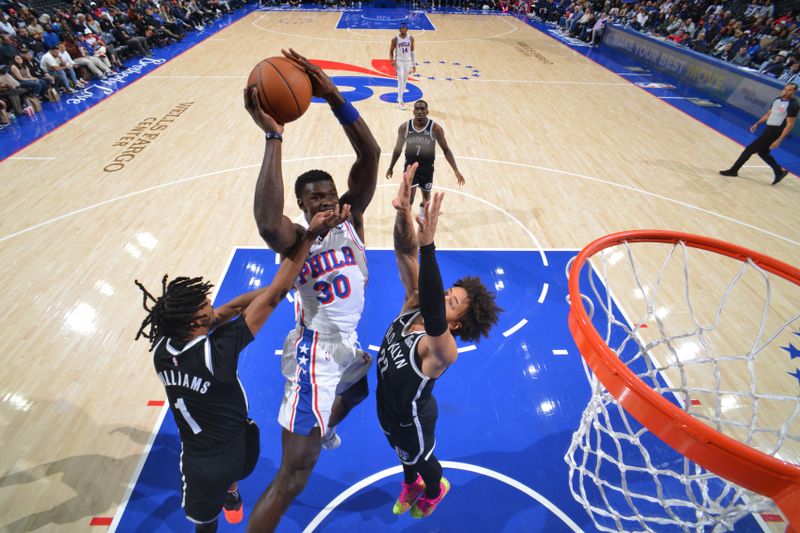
(761, 147)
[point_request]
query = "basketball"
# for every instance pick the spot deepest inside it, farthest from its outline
(283, 88)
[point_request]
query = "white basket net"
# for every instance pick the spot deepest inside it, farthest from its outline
(717, 339)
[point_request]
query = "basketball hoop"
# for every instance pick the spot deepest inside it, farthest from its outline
(631, 368)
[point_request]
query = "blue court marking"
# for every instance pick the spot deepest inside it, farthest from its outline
(384, 19)
(507, 411)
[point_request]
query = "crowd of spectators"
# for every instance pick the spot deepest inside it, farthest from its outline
(759, 37)
(46, 54)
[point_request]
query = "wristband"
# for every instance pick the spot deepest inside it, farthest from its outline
(274, 135)
(427, 249)
(346, 113)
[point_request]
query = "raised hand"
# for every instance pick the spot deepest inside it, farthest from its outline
(326, 220)
(263, 120)
(403, 200)
(427, 224)
(322, 86)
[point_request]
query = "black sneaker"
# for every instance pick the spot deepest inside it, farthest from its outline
(729, 172)
(782, 174)
(233, 508)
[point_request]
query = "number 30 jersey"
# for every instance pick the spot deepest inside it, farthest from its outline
(329, 296)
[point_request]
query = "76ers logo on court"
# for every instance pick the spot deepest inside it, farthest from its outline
(357, 88)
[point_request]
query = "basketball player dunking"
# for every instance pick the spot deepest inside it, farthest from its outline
(196, 354)
(326, 372)
(420, 136)
(419, 346)
(401, 53)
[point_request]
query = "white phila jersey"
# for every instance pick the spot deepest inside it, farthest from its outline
(329, 292)
(403, 49)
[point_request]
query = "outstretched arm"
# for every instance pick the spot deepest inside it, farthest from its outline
(274, 227)
(438, 131)
(405, 240)
(398, 149)
(260, 308)
(363, 178)
(439, 342)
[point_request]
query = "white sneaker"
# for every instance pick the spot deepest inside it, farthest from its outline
(331, 440)
(402, 106)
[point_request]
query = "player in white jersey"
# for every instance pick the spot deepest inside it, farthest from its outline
(401, 53)
(324, 368)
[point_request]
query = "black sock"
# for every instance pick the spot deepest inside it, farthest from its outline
(409, 475)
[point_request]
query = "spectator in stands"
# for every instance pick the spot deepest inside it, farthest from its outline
(50, 37)
(34, 28)
(20, 72)
(53, 64)
(726, 53)
(598, 28)
(700, 44)
(774, 66)
(6, 26)
(680, 37)
(93, 25)
(789, 75)
(11, 91)
(134, 41)
(93, 46)
(81, 58)
(7, 49)
(35, 69)
(742, 58)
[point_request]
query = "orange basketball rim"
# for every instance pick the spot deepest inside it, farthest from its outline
(718, 453)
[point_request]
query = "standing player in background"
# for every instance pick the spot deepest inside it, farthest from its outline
(325, 370)
(420, 136)
(780, 121)
(401, 53)
(418, 348)
(196, 355)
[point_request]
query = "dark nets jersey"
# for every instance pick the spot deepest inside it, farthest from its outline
(203, 388)
(420, 144)
(403, 390)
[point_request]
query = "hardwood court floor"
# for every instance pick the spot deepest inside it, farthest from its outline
(556, 151)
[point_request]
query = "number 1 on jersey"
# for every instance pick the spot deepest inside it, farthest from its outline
(181, 406)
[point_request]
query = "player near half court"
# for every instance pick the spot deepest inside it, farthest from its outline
(418, 348)
(401, 54)
(420, 136)
(196, 351)
(325, 370)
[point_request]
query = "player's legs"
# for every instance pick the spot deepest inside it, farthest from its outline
(351, 391)
(298, 457)
(206, 481)
(206, 528)
(403, 71)
(431, 471)
(345, 402)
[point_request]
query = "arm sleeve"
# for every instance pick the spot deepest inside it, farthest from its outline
(431, 292)
(794, 107)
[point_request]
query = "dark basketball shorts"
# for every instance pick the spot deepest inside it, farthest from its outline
(207, 478)
(413, 440)
(423, 177)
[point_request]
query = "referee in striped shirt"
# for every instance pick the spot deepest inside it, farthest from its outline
(780, 120)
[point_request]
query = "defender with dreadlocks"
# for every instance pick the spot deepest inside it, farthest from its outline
(419, 346)
(325, 370)
(196, 353)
